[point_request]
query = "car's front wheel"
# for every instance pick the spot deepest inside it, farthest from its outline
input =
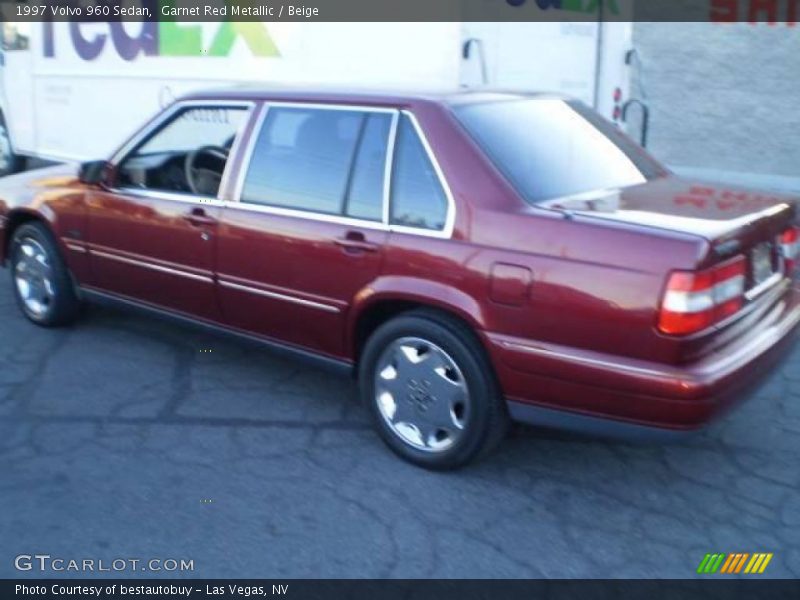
(431, 391)
(42, 283)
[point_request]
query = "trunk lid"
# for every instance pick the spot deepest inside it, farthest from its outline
(709, 210)
(732, 219)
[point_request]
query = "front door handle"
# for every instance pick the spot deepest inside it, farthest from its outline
(354, 241)
(199, 218)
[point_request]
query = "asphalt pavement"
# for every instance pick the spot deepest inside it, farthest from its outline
(126, 437)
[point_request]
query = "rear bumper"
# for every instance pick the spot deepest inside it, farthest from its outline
(576, 389)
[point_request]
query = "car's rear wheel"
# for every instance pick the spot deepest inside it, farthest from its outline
(42, 283)
(431, 390)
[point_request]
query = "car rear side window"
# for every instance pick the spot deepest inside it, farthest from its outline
(418, 199)
(320, 160)
(365, 196)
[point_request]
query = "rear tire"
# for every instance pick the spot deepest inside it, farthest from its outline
(431, 391)
(42, 283)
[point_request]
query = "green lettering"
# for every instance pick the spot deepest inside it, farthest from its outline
(179, 40)
(254, 34)
(611, 7)
(573, 5)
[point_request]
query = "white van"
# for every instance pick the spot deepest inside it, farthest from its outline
(73, 91)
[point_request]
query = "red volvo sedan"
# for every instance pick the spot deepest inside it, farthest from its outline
(472, 258)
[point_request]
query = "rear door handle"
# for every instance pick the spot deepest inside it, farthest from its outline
(199, 218)
(355, 241)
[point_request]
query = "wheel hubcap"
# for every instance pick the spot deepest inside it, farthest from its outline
(421, 394)
(33, 277)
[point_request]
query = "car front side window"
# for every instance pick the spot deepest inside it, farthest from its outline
(185, 155)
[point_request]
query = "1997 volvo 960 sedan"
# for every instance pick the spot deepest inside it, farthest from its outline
(473, 258)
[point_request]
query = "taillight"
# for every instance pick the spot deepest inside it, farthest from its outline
(696, 300)
(790, 245)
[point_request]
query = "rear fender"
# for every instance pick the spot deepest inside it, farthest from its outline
(422, 292)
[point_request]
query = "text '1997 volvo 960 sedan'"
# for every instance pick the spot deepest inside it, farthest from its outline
(472, 258)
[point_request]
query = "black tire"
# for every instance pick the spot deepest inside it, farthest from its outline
(488, 420)
(64, 306)
(10, 163)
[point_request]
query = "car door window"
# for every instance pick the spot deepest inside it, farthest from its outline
(365, 197)
(185, 155)
(320, 160)
(418, 199)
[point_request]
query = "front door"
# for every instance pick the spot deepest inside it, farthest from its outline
(309, 228)
(152, 236)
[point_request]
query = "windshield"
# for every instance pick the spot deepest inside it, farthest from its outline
(550, 148)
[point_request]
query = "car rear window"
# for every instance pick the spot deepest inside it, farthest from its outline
(550, 148)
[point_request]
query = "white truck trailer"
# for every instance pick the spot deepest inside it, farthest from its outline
(74, 91)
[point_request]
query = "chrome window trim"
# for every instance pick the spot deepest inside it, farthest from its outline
(389, 168)
(233, 154)
(301, 214)
(247, 155)
(159, 121)
(277, 296)
(237, 203)
(173, 196)
(450, 219)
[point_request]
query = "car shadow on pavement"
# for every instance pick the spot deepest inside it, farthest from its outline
(153, 417)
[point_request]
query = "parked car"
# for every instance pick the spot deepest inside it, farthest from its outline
(473, 258)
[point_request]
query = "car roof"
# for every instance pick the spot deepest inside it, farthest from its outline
(363, 97)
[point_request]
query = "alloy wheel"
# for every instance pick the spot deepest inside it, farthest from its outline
(421, 394)
(33, 277)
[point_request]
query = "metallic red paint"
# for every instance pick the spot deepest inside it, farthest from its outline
(564, 296)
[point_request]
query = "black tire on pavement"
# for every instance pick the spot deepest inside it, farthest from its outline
(483, 419)
(44, 269)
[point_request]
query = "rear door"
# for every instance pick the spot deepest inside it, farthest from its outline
(307, 227)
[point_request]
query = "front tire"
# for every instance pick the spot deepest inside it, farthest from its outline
(42, 283)
(431, 391)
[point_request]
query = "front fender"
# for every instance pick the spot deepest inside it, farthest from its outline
(24, 214)
(52, 196)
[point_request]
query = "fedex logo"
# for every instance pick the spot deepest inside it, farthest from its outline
(161, 39)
